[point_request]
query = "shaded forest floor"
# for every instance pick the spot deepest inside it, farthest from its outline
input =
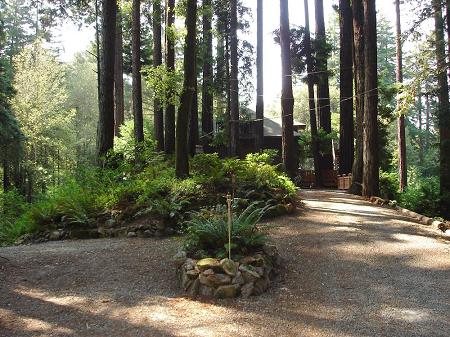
(351, 269)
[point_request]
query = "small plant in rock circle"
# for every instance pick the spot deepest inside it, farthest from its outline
(207, 232)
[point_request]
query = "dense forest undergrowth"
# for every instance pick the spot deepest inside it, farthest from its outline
(146, 188)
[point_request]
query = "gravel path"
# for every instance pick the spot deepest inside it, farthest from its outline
(352, 269)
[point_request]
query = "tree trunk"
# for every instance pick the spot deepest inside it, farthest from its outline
(6, 180)
(158, 117)
(359, 75)
(419, 110)
(105, 133)
(169, 141)
(311, 99)
(448, 33)
(287, 98)
(402, 170)
(234, 81)
(119, 117)
(346, 141)
(323, 90)
(207, 84)
(193, 117)
(370, 158)
(427, 120)
(260, 78)
(181, 156)
(136, 72)
(444, 113)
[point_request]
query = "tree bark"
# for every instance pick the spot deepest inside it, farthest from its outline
(447, 7)
(287, 98)
(346, 139)
(169, 141)
(402, 169)
(234, 81)
(119, 117)
(370, 157)
(419, 117)
(444, 113)
(323, 89)
(158, 119)
(105, 131)
(260, 78)
(207, 83)
(136, 72)
(359, 76)
(181, 155)
(193, 116)
(311, 99)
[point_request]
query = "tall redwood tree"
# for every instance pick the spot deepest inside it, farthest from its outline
(187, 97)
(136, 71)
(169, 135)
(234, 81)
(105, 130)
(287, 98)
(346, 139)
(158, 119)
(260, 77)
(370, 186)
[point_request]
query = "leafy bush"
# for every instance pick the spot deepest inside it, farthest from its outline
(389, 185)
(207, 232)
(422, 196)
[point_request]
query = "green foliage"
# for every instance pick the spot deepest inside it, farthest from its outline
(389, 185)
(208, 231)
(167, 85)
(422, 196)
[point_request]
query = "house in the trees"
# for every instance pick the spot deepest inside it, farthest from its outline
(272, 134)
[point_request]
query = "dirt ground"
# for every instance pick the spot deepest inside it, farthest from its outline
(351, 269)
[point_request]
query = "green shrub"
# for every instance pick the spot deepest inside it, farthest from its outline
(422, 196)
(389, 185)
(207, 232)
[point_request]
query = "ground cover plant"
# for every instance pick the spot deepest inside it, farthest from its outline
(131, 187)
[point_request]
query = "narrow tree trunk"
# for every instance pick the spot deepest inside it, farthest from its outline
(323, 89)
(6, 180)
(182, 158)
(448, 34)
(444, 113)
(169, 141)
(311, 99)
(287, 98)
(421, 142)
(136, 72)
(359, 75)
(260, 77)
(427, 120)
(402, 170)
(207, 84)
(234, 81)
(119, 117)
(158, 118)
(105, 136)
(346, 141)
(370, 157)
(97, 46)
(193, 118)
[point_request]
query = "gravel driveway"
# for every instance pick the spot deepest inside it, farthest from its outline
(351, 269)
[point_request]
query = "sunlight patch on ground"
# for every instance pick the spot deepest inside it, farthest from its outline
(32, 324)
(406, 314)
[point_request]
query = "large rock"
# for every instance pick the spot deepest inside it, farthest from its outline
(208, 263)
(248, 273)
(179, 258)
(261, 286)
(214, 280)
(193, 288)
(206, 291)
(227, 291)
(247, 290)
(238, 279)
(229, 267)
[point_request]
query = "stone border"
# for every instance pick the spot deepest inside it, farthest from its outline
(211, 278)
(424, 220)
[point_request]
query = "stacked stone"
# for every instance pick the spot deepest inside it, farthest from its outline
(226, 278)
